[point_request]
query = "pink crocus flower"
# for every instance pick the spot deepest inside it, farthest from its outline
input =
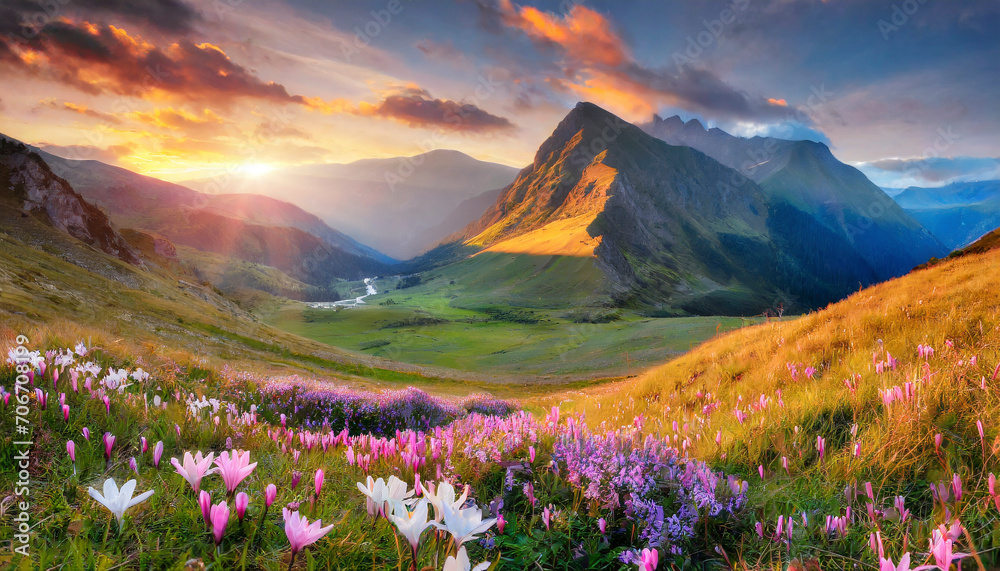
(649, 559)
(71, 450)
(760, 470)
(942, 550)
(602, 524)
(133, 465)
(143, 444)
(938, 439)
(501, 523)
(956, 486)
(157, 453)
(270, 493)
(219, 515)
(205, 502)
(86, 433)
(821, 446)
(109, 444)
(296, 476)
(531, 454)
(194, 468)
(546, 517)
(301, 533)
(234, 467)
(529, 490)
(887, 564)
(319, 481)
(107, 404)
(242, 502)
(65, 411)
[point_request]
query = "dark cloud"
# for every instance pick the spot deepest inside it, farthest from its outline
(107, 59)
(167, 15)
(27, 17)
(420, 110)
(932, 171)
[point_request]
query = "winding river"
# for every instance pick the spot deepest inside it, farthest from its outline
(370, 290)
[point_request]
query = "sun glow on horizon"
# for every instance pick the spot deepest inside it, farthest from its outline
(256, 169)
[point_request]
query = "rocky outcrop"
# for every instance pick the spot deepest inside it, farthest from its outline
(28, 181)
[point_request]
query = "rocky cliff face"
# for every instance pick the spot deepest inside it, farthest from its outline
(26, 180)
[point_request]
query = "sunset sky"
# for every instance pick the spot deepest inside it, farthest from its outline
(183, 89)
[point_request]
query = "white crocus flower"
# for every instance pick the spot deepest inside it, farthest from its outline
(444, 493)
(464, 524)
(461, 563)
(410, 524)
(118, 501)
(377, 493)
(398, 490)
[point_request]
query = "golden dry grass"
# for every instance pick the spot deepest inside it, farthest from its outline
(956, 301)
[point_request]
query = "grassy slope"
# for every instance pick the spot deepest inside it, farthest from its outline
(956, 300)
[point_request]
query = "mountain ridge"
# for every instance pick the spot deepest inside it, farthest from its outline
(806, 176)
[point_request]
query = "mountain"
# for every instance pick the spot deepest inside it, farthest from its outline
(401, 206)
(29, 185)
(805, 177)
(666, 225)
(958, 213)
(250, 228)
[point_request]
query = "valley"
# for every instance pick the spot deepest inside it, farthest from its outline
(436, 324)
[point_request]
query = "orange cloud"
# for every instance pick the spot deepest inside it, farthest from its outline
(414, 106)
(778, 102)
(107, 59)
(331, 107)
(80, 109)
(584, 34)
(178, 119)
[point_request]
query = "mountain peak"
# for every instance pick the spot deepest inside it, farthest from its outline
(587, 121)
(694, 125)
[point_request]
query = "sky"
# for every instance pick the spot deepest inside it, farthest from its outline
(907, 90)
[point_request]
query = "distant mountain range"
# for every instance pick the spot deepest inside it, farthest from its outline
(402, 206)
(667, 215)
(672, 227)
(244, 240)
(958, 213)
(803, 178)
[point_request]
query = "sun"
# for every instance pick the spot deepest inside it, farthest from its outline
(257, 169)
